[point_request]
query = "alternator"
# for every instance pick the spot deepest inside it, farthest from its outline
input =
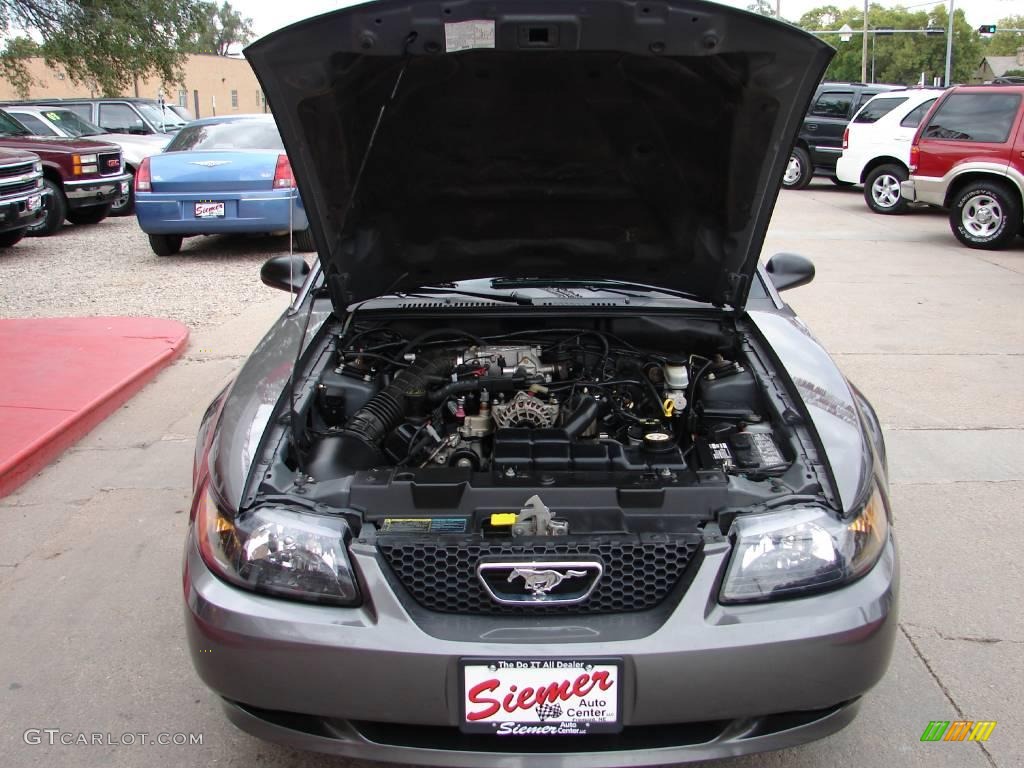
(525, 410)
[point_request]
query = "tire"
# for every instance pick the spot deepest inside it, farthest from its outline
(125, 205)
(799, 171)
(165, 245)
(94, 214)
(7, 239)
(985, 215)
(882, 189)
(302, 240)
(56, 212)
(840, 183)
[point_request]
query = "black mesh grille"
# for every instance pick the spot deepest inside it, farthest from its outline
(19, 188)
(440, 572)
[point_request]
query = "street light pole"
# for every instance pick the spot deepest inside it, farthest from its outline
(949, 47)
(864, 48)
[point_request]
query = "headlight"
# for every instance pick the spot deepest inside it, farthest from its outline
(802, 549)
(279, 551)
(37, 167)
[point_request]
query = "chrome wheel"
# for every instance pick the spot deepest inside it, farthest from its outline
(793, 171)
(885, 191)
(982, 216)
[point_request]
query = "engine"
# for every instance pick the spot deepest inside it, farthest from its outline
(579, 401)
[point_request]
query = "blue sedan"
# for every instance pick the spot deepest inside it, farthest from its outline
(220, 175)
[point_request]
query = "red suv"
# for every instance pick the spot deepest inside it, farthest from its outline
(968, 156)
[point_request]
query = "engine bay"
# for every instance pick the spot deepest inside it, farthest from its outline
(572, 400)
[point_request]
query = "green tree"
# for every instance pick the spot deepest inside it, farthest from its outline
(899, 58)
(763, 7)
(105, 43)
(1006, 43)
(222, 27)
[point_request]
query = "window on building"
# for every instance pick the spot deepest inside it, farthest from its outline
(234, 99)
(182, 97)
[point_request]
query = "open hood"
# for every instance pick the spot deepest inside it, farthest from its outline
(640, 141)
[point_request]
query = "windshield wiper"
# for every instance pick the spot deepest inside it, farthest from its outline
(444, 290)
(602, 284)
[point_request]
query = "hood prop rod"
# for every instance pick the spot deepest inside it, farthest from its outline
(293, 414)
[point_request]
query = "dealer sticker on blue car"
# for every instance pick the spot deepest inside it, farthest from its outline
(541, 697)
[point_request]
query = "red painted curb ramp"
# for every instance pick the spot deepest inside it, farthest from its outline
(60, 377)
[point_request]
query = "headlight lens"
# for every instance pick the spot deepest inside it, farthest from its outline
(279, 551)
(802, 549)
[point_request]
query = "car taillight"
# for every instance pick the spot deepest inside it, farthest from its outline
(846, 139)
(283, 178)
(143, 181)
(915, 157)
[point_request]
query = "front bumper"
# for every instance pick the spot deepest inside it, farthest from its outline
(340, 680)
(98, 191)
(22, 211)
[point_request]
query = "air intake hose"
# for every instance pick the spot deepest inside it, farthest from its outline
(358, 445)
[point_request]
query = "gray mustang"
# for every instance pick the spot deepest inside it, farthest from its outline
(538, 226)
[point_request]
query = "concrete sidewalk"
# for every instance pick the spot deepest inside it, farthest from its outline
(62, 376)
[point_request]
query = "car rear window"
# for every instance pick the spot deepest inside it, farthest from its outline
(236, 134)
(984, 117)
(878, 108)
(916, 115)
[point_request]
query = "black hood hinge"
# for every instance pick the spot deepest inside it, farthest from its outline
(738, 283)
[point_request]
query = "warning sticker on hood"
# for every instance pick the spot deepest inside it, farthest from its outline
(465, 35)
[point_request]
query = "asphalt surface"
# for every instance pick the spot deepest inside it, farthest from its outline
(92, 636)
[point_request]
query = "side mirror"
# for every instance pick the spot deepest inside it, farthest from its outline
(789, 270)
(285, 272)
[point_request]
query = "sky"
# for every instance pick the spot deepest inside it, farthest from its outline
(268, 15)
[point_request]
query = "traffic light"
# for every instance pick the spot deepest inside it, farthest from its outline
(987, 29)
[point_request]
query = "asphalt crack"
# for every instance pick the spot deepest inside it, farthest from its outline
(945, 692)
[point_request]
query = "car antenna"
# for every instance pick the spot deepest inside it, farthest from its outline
(293, 411)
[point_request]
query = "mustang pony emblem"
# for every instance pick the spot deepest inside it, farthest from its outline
(540, 582)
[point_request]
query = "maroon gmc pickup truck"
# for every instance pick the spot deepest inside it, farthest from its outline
(82, 177)
(21, 194)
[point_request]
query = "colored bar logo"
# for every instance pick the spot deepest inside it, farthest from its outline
(958, 730)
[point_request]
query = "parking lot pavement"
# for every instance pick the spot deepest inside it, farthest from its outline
(933, 333)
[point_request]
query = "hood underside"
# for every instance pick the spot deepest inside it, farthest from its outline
(436, 142)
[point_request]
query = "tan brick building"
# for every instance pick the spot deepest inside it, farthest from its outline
(213, 85)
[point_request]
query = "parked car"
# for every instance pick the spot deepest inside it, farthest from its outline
(83, 178)
(820, 142)
(876, 146)
(539, 469)
(121, 114)
(220, 175)
(21, 194)
(60, 121)
(968, 156)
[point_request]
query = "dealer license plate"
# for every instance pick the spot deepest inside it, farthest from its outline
(541, 697)
(209, 210)
(34, 202)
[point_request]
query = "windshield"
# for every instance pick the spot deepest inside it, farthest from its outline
(237, 134)
(160, 117)
(71, 124)
(11, 127)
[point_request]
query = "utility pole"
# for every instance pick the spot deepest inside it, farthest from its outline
(949, 47)
(864, 48)
(778, 9)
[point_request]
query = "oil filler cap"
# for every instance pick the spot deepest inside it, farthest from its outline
(657, 442)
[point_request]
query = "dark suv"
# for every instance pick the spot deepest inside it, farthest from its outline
(820, 142)
(21, 194)
(82, 178)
